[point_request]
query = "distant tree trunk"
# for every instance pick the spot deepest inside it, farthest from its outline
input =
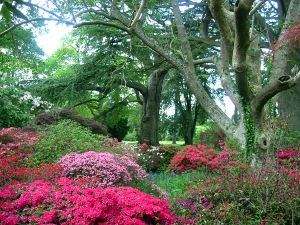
(187, 127)
(174, 137)
(150, 109)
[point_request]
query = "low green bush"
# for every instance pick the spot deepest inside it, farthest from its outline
(62, 138)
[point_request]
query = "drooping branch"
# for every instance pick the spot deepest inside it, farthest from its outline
(31, 5)
(87, 101)
(270, 90)
(33, 20)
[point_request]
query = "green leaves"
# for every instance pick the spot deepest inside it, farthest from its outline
(5, 11)
(8, 9)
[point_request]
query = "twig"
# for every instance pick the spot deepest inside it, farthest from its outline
(33, 20)
(256, 7)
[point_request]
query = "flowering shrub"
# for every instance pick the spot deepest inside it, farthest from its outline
(289, 162)
(17, 107)
(193, 157)
(260, 196)
(63, 202)
(16, 138)
(110, 169)
(154, 158)
(291, 36)
(14, 150)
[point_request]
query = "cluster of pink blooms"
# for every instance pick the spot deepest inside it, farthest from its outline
(289, 161)
(14, 147)
(20, 138)
(192, 157)
(110, 169)
(64, 202)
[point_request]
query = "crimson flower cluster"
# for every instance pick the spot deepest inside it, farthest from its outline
(14, 149)
(289, 162)
(64, 202)
(193, 157)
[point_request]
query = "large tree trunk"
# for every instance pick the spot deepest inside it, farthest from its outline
(150, 111)
(288, 101)
(289, 107)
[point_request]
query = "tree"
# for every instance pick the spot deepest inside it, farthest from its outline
(238, 63)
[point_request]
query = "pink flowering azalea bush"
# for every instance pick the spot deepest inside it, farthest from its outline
(64, 202)
(14, 149)
(110, 169)
(289, 162)
(193, 157)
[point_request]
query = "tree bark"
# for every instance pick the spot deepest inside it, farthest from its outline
(288, 101)
(150, 109)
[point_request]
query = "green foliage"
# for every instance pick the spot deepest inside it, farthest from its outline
(250, 131)
(147, 186)
(286, 138)
(120, 129)
(209, 134)
(17, 107)
(176, 184)
(65, 137)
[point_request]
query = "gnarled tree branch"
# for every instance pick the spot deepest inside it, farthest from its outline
(270, 90)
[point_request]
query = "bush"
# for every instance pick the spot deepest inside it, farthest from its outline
(14, 150)
(64, 202)
(65, 137)
(193, 157)
(263, 195)
(109, 169)
(153, 158)
(120, 129)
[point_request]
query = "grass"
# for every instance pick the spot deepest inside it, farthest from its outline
(178, 143)
(174, 184)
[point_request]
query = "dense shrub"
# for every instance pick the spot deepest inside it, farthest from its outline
(211, 136)
(110, 169)
(263, 195)
(289, 162)
(62, 138)
(120, 129)
(17, 107)
(64, 202)
(153, 158)
(193, 157)
(14, 150)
